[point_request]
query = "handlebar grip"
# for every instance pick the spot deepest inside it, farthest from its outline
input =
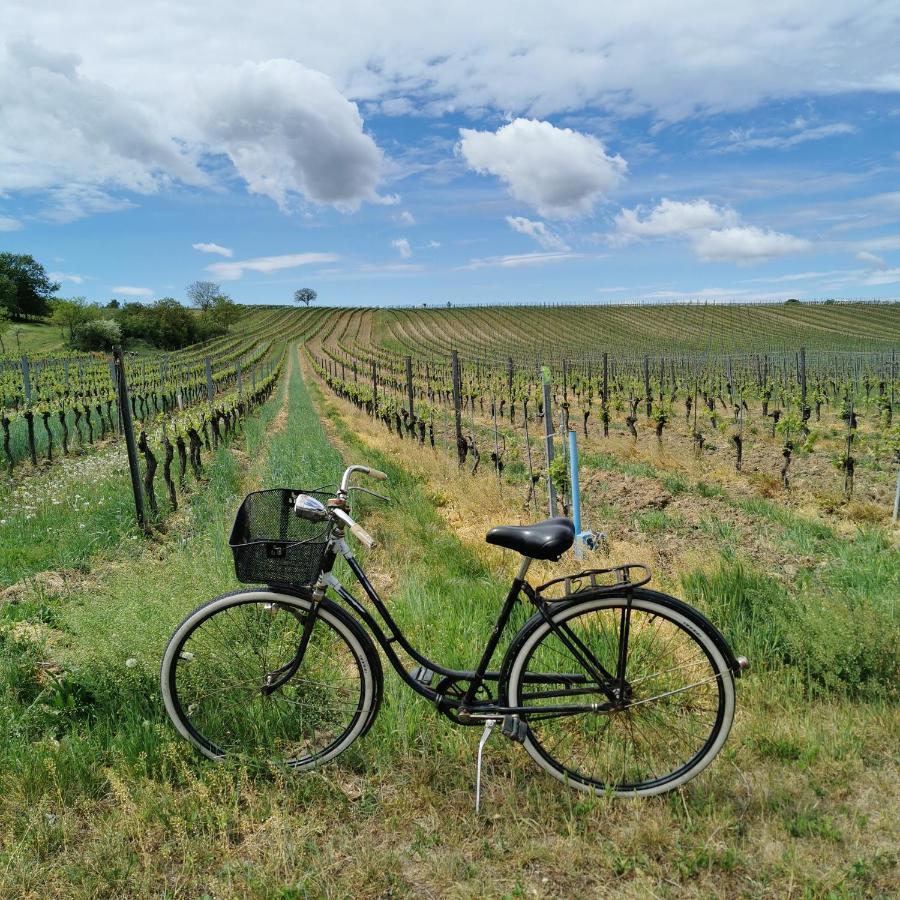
(362, 535)
(377, 473)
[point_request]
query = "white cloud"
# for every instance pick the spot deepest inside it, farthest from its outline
(434, 244)
(888, 276)
(871, 260)
(740, 139)
(746, 244)
(673, 217)
(289, 131)
(560, 172)
(286, 129)
(214, 248)
(512, 56)
(548, 239)
(231, 271)
(515, 261)
(401, 245)
(406, 218)
(9, 224)
(129, 291)
(716, 233)
(65, 276)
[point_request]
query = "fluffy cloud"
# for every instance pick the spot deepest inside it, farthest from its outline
(548, 239)
(231, 271)
(406, 218)
(286, 129)
(467, 56)
(716, 233)
(401, 245)
(560, 172)
(214, 248)
(7, 223)
(63, 131)
(289, 131)
(673, 217)
(746, 244)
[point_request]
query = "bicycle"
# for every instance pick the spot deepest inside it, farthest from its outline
(611, 687)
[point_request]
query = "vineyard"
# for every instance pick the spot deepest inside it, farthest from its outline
(749, 454)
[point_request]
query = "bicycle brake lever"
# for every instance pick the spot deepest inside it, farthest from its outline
(357, 487)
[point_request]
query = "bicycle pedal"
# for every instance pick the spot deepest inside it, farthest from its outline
(422, 674)
(514, 728)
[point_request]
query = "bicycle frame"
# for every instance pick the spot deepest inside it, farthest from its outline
(469, 709)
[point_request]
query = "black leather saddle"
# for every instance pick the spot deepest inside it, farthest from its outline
(544, 540)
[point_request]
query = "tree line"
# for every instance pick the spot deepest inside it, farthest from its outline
(27, 293)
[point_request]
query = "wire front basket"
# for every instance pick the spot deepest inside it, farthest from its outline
(272, 545)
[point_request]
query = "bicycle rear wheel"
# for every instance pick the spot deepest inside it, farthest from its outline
(666, 726)
(218, 668)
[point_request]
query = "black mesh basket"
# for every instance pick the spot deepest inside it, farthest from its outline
(272, 545)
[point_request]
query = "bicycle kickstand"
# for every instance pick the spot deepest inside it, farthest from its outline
(488, 727)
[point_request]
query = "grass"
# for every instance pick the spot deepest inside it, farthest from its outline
(98, 796)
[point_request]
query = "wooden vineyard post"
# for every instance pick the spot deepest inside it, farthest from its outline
(647, 396)
(237, 367)
(804, 409)
(461, 447)
(509, 373)
(374, 389)
(210, 387)
(29, 415)
(548, 441)
(409, 391)
(130, 445)
(605, 410)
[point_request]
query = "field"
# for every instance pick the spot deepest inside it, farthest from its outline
(748, 455)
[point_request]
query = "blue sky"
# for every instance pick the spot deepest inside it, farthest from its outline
(407, 153)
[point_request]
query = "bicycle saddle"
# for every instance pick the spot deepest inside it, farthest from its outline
(544, 540)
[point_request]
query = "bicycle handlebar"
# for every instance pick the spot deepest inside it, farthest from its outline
(356, 529)
(366, 470)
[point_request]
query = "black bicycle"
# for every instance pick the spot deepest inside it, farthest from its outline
(611, 687)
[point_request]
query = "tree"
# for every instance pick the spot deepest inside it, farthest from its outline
(70, 315)
(305, 295)
(33, 289)
(203, 294)
(170, 325)
(224, 311)
(98, 334)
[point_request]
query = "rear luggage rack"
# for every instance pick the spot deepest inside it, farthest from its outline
(629, 575)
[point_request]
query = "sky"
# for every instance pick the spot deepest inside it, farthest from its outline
(410, 152)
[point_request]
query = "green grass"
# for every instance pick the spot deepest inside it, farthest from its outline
(99, 797)
(30, 338)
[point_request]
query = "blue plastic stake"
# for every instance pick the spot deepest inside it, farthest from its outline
(573, 474)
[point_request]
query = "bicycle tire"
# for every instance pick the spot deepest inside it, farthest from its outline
(338, 646)
(711, 676)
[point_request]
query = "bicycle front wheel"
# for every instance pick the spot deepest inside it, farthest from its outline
(220, 665)
(663, 725)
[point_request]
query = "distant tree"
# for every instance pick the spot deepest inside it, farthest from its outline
(203, 294)
(224, 311)
(305, 296)
(4, 327)
(792, 300)
(33, 288)
(113, 304)
(69, 315)
(98, 334)
(170, 325)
